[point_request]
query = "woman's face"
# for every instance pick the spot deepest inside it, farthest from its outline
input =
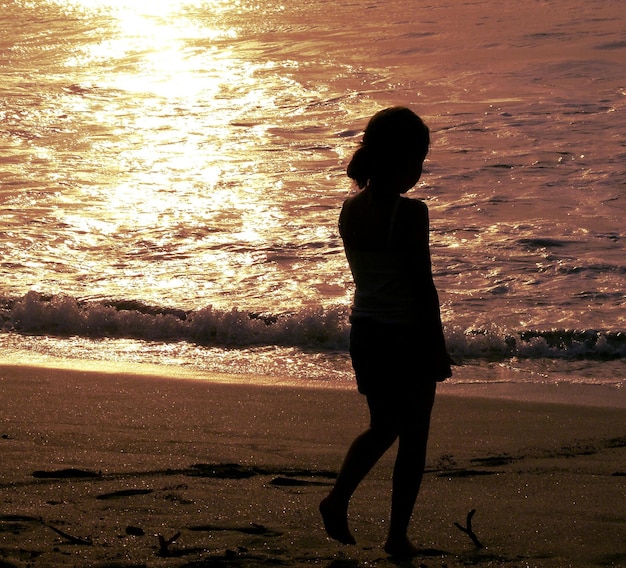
(397, 173)
(411, 174)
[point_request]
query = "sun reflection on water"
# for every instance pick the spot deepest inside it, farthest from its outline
(179, 128)
(157, 41)
(189, 87)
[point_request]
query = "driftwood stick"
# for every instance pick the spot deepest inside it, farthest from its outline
(468, 530)
(71, 539)
(165, 544)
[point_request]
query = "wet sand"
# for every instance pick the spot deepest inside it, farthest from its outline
(112, 469)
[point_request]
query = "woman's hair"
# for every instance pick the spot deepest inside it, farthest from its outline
(392, 137)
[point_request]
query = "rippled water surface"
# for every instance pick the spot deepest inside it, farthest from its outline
(188, 158)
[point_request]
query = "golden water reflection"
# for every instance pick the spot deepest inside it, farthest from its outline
(157, 42)
(188, 85)
(182, 133)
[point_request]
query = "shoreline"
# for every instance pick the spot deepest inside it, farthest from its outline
(122, 463)
(596, 395)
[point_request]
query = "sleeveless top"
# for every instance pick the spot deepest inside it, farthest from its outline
(392, 285)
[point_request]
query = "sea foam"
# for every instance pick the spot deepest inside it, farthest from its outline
(320, 328)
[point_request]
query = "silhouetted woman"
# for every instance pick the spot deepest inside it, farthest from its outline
(396, 341)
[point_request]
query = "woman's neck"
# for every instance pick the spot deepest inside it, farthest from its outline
(382, 192)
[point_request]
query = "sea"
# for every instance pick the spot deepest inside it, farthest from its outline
(171, 174)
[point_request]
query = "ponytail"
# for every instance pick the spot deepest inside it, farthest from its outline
(359, 168)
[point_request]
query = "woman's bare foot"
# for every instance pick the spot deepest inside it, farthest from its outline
(400, 547)
(335, 517)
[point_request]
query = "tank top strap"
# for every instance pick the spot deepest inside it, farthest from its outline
(392, 220)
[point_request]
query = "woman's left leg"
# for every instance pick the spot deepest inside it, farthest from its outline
(362, 455)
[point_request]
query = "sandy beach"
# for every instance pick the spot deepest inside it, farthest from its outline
(110, 470)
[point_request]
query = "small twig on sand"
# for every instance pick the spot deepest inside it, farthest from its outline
(165, 544)
(71, 539)
(468, 530)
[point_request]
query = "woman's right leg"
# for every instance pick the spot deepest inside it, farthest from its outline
(409, 469)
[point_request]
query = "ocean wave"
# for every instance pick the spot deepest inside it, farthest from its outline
(498, 344)
(62, 315)
(309, 328)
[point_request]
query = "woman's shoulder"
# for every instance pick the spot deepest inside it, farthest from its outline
(356, 205)
(413, 206)
(361, 196)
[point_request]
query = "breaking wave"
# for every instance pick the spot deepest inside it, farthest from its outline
(310, 328)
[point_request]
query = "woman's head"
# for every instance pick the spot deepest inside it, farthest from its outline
(393, 149)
